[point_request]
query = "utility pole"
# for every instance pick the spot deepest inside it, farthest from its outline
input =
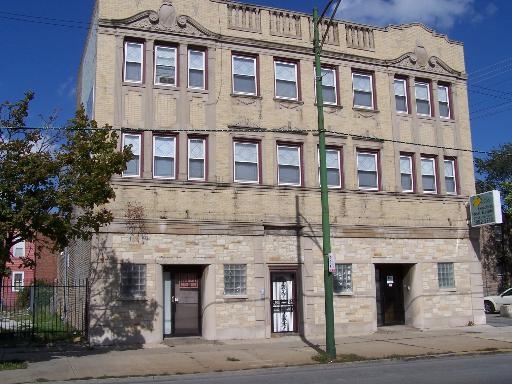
(326, 228)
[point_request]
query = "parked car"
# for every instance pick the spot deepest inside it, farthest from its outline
(493, 303)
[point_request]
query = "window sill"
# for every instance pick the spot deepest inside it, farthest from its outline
(349, 294)
(364, 109)
(426, 117)
(246, 95)
(288, 101)
(170, 87)
(130, 84)
(133, 299)
(448, 290)
(198, 90)
(235, 297)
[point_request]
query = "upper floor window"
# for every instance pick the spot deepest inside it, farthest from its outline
(406, 175)
(244, 75)
(164, 157)
(422, 92)
(450, 179)
(18, 250)
(401, 102)
(362, 85)
(165, 65)
(197, 158)
(443, 96)
(133, 59)
(196, 69)
(246, 162)
(428, 174)
(133, 140)
(289, 161)
(329, 92)
(333, 166)
(286, 80)
(367, 170)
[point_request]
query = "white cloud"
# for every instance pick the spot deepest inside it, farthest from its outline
(67, 88)
(439, 14)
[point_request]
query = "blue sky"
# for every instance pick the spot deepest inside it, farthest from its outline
(42, 43)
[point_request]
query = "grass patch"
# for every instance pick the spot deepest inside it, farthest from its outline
(229, 358)
(12, 364)
(342, 358)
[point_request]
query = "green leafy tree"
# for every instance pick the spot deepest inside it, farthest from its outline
(54, 183)
(495, 172)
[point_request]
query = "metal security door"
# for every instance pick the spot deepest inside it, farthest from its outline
(185, 303)
(284, 303)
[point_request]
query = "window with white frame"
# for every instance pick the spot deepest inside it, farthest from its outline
(333, 167)
(196, 158)
(289, 165)
(362, 85)
(428, 174)
(17, 281)
(422, 93)
(329, 92)
(244, 75)
(165, 65)
(443, 97)
(18, 250)
(196, 69)
(235, 279)
(133, 59)
(367, 170)
(133, 280)
(445, 275)
(133, 140)
(342, 278)
(406, 176)
(246, 162)
(286, 80)
(450, 179)
(164, 157)
(401, 102)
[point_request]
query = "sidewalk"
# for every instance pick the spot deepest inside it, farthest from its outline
(192, 355)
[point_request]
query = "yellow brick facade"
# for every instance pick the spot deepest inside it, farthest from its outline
(272, 229)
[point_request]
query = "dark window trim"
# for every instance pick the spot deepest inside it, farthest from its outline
(260, 167)
(374, 88)
(176, 153)
(141, 159)
(299, 145)
(436, 170)
(413, 171)
(257, 71)
(379, 170)
(159, 43)
(297, 75)
(206, 156)
(143, 64)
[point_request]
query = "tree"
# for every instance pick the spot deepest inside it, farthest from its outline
(496, 173)
(54, 183)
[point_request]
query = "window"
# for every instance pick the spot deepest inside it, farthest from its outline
(401, 102)
(333, 165)
(289, 165)
(17, 281)
(362, 85)
(18, 250)
(342, 278)
(286, 80)
(235, 279)
(133, 62)
(329, 92)
(443, 96)
(246, 162)
(133, 141)
(165, 65)
(196, 69)
(164, 157)
(428, 174)
(244, 75)
(449, 176)
(406, 176)
(196, 158)
(133, 280)
(422, 91)
(445, 275)
(367, 170)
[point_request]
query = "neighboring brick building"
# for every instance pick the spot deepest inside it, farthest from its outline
(217, 228)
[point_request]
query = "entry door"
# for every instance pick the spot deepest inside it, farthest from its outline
(390, 295)
(284, 302)
(185, 303)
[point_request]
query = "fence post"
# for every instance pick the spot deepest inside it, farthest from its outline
(86, 310)
(33, 308)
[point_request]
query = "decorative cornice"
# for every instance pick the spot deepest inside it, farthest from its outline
(411, 60)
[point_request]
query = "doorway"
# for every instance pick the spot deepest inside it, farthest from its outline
(390, 294)
(182, 304)
(284, 301)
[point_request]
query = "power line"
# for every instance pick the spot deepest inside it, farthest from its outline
(301, 132)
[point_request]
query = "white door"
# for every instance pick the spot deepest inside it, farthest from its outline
(283, 302)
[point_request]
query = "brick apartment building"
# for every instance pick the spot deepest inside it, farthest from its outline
(217, 228)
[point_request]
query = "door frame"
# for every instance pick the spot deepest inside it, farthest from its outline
(401, 270)
(294, 271)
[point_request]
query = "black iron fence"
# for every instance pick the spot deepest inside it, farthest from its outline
(44, 312)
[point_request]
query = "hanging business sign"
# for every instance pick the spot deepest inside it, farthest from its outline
(485, 209)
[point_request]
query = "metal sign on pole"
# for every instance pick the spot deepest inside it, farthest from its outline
(485, 209)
